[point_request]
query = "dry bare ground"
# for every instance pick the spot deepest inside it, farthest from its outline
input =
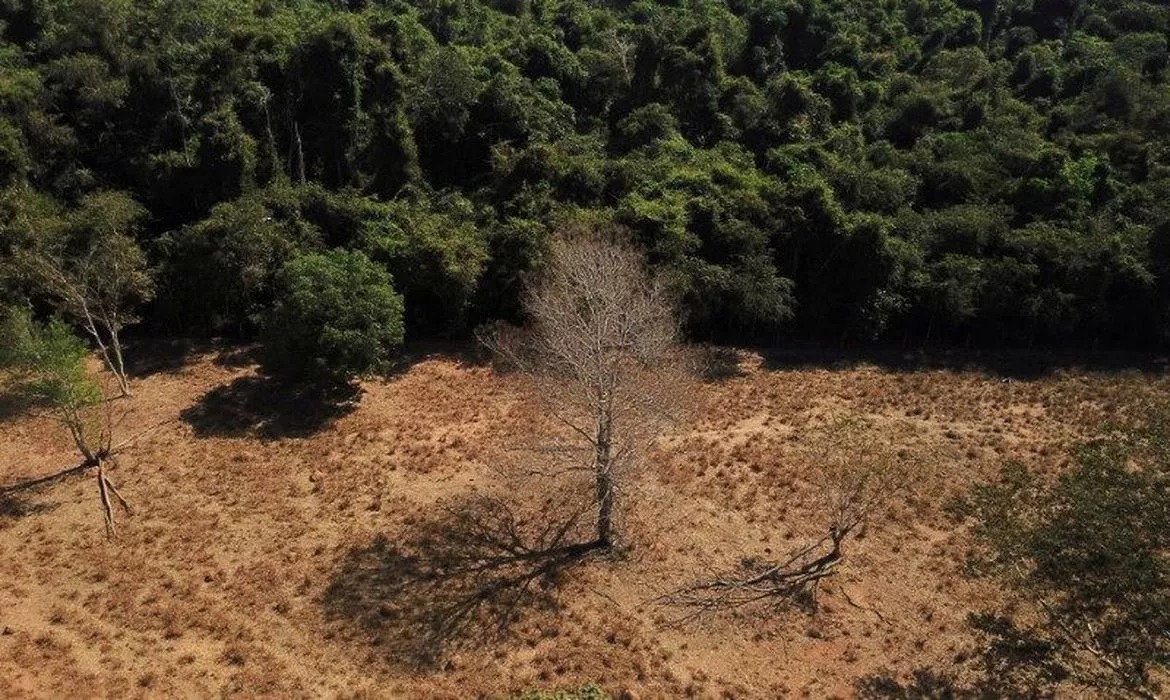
(287, 547)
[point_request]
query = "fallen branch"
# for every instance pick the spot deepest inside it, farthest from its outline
(758, 581)
(875, 611)
(138, 436)
(105, 488)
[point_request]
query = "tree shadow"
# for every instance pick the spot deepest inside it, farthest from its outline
(238, 357)
(145, 357)
(1015, 364)
(14, 404)
(269, 408)
(1012, 663)
(465, 577)
(718, 363)
(15, 506)
(464, 353)
(929, 684)
(923, 684)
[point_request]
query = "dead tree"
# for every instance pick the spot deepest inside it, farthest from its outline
(789, 580)
(601, 347)
(857, 479)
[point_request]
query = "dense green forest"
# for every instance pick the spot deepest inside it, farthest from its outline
(931, 171)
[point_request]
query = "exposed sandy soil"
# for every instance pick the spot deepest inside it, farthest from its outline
(254, 564)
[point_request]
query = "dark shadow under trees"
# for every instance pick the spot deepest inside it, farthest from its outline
(269, 408)
(718, 364)
(13, 405)
(14, 506)
(148, 356)
(465, 577)
(1008, 663)
(1014, 364)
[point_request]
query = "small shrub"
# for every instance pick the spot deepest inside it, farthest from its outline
(337, 315)
(590, 691)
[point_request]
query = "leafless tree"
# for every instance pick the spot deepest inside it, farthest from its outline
(602, 348)
(857, 480)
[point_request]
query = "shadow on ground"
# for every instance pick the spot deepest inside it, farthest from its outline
(1010, 662)
(238, 356)
(268, 408)
(718, 364)
(14, 506)
(1021, 365)
(271, 408)
(13, 404)
(148, 356)
(466, 353)
(145, 357)
(465, 577)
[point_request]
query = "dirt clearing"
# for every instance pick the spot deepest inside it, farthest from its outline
(282, 548)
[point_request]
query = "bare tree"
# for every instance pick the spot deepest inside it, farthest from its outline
(857, 480)
(97, 273)
(602, 347)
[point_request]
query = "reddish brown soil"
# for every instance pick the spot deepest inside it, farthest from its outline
(248, 511)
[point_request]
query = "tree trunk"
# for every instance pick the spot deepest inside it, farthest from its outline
(76, 427)
(182, 123)
(118, 366)
(104, 493)
(605, 507)
(104, 350)
(273, 151)
(605, 486)
(300, 152)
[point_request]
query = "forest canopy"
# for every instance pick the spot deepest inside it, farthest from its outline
(995, 171)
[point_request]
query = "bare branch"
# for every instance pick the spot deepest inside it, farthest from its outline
(791, 580)
(601, 349)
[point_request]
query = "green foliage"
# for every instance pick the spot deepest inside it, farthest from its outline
(946, 170)
(435, 254)
(336, 315)
(220, 273)
(1090, 551)
(47, 361)
(586, 692)
(45, 364)
(102, 255)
